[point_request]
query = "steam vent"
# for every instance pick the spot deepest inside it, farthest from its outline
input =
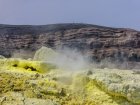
(69, 64)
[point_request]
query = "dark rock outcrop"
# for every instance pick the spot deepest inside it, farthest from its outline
(99, 42)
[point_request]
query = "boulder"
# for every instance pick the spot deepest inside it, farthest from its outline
(44, 54)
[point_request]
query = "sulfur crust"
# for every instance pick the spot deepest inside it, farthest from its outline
(98, 95)
(102, 87)
(119, 83)
(25, 65)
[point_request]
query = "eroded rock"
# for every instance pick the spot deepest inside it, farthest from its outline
(99, 42)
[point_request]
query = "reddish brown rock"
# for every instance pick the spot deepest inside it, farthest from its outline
(99, 42)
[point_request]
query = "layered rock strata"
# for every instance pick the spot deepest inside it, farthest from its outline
(99, 42)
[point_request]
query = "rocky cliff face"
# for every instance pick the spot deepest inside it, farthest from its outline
(99, 42)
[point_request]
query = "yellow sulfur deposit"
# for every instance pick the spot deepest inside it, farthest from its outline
(25, 65)
(29, 82)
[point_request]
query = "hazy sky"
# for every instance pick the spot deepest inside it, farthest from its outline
(114, 13)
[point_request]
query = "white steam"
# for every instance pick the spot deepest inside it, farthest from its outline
(69, 59)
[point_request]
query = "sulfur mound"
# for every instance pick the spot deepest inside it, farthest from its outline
(119, 83)
(20, 65)
(30, 82)
(44, 54)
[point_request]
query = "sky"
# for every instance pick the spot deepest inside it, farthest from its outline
(112, 13)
